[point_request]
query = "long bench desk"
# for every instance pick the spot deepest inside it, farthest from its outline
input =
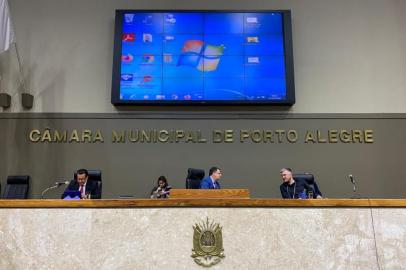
(249, 203)
(158, 234)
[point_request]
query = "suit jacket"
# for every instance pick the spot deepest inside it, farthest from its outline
(207, 183)
(92, 188)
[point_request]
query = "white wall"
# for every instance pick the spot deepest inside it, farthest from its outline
(349, 54)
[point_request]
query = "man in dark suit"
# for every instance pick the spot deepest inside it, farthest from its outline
(88, 189)
(211, 181)
(296, 188)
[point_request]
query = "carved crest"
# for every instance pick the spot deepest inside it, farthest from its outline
(207, 243)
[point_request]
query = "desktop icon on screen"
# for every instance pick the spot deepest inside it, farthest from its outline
(146, 79)
(129, 17)
(146, 38)
(253, 20)
(147, 20)
(127, 77)
(128, 37)
(253, 60)
(127, 58)
(168, 58)
(252, 39)
(170, 18)
(148, 58)
(169, 38)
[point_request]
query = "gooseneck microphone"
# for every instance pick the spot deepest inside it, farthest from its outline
(352, 179)
(354, 187)
(62, 183)
(56, 185)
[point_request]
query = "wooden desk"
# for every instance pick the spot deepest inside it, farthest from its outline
(249, 203)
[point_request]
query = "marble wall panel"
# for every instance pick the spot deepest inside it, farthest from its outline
(161, 238)
(390, 231)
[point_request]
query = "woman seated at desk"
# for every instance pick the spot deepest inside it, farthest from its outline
(162, 189)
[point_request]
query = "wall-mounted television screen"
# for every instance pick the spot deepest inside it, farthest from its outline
(203, 57)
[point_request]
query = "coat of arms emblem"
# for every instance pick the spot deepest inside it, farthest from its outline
(207, 243)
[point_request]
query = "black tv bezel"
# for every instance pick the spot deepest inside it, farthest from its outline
(288, 52)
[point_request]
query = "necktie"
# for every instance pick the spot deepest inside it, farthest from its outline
(81, 190)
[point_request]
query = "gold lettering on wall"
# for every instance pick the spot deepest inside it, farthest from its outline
(60, 136)
(34, 136)
(163, 136)
(229, 136)
(345, 136)
(225, 136)
(269, 136)
(98, 137)
(291, 136)
(369, 136)
(217, 136)
(342, 136)
(333, 136)
(244, 134)
(256, 136)
(49, 135)
(46, 136)
(74, 137)
(158, 136)
(279, 133)
(118, 137)
(309, 137)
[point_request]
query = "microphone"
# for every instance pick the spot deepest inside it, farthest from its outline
(57, 184)
(62, 183)
(352, 179)
(354, 187)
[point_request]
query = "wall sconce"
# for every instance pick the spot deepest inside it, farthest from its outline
(27, 100)
(5, 100)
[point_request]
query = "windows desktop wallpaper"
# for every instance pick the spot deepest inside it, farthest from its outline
(202, 56)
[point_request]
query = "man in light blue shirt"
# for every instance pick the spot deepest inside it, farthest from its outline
(211, 181)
